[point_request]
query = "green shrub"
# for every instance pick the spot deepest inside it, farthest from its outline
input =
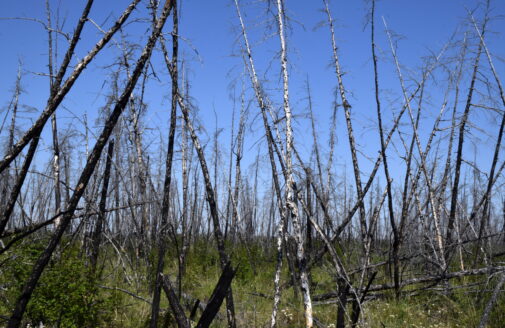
(66, 295)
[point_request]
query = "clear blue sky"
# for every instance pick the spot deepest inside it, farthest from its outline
(211, 45)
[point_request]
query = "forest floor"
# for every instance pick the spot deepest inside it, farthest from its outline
(68, 296)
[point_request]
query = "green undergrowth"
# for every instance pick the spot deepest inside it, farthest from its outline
(66, 295)
(69, 295)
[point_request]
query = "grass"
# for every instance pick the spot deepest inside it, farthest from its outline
(67, 297)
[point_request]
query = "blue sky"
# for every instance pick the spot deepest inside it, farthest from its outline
(211, 45)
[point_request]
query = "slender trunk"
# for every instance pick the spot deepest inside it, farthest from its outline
(230, 169)
(291, 208)
(314, 135)
(396, 235)
(461, 137)
(238, 173)
(186, 226)
(162, 238)
(6, 176)
(54, 127)
(97, 233)
(448, 162)
(350, 133)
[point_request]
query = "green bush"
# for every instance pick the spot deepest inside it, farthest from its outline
(66, 295)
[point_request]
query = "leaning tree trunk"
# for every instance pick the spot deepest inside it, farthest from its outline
(43, 260)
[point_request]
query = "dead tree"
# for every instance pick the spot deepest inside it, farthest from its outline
(291, 209)
(461, 133)
(210, 193)
(396, 232)
(54, 127)
(42, 261)
(162, 238)
(492, 170)
(58, 92)
(100, 222)
(272, 150)
(350, 133)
